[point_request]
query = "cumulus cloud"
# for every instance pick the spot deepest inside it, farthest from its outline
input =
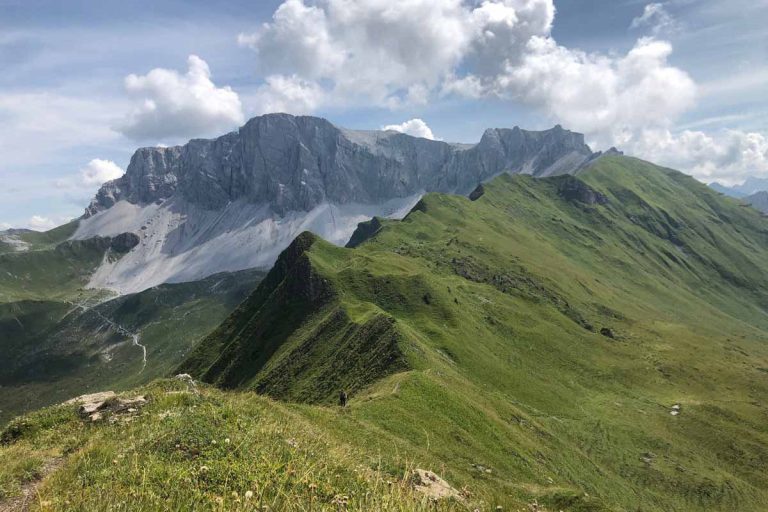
(40, 223)
(610, 99)
(98, 172)
(729, 156)
(415, 127)
(173, 105)
(288, 94)
(94, 174)
(374, 51)
(338, 52)
(4, 226)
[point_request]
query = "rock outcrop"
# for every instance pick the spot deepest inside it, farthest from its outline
(572, 189)
(433, 487)
(97, 406)
(364, 231)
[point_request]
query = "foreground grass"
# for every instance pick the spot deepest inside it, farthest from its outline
(206, 451)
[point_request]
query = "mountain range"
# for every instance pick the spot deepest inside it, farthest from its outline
(516, 324)
(749, 187)
(216, 213)
(235, 202)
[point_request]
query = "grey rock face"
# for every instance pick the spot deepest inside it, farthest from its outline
(365, 230)
(124, 242)
(572, 189)
(296, 163)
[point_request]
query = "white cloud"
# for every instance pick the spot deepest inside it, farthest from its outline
(396, 54)
(40, 223)
(288, 94)
(656, 17)
(415, 127)
(729, 156)
(368, 51)
(5, 226)
(610, 99)
(172, 105)
(90, 177)
(98, 172)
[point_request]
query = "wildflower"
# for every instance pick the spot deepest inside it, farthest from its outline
(340, 500)
(248, 495)
(203, 469)
(227, 441)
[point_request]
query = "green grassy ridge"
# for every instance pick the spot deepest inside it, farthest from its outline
(498, 304)
(55, 350)
(37, 240)
(292, 340)
(49, 274)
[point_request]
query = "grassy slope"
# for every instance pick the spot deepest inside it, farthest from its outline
(55, 350)
(197, 452)
(60, 339)
(492, 301)
(36, 240)
(502, 380)
(59, 273)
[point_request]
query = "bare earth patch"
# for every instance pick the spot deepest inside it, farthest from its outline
(23, 502)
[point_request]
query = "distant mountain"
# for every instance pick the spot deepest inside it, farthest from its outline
(749, 187)
(236, 201)
(758, 200)
(728, 191)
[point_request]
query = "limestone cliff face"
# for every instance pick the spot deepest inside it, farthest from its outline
(297, 163)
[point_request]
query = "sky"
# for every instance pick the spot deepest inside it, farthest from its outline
(683, 83)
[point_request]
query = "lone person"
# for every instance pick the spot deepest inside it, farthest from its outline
(342, 398)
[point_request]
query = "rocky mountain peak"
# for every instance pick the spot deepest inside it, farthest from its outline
(295, 163)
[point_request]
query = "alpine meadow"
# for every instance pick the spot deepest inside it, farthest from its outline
(269, 311)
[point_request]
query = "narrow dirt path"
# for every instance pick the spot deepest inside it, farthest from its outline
(28, 495)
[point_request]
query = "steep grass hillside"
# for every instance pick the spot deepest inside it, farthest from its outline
(22, 240)
(60, 339)
(55, 350)
(547, 330)
(202, 450)
(585, 344)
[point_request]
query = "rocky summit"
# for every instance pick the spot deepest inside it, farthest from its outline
(297, 163)
(236, 201)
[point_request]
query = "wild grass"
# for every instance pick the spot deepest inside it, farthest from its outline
(205, 451)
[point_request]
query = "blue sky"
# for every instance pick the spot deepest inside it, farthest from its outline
(84, 83)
